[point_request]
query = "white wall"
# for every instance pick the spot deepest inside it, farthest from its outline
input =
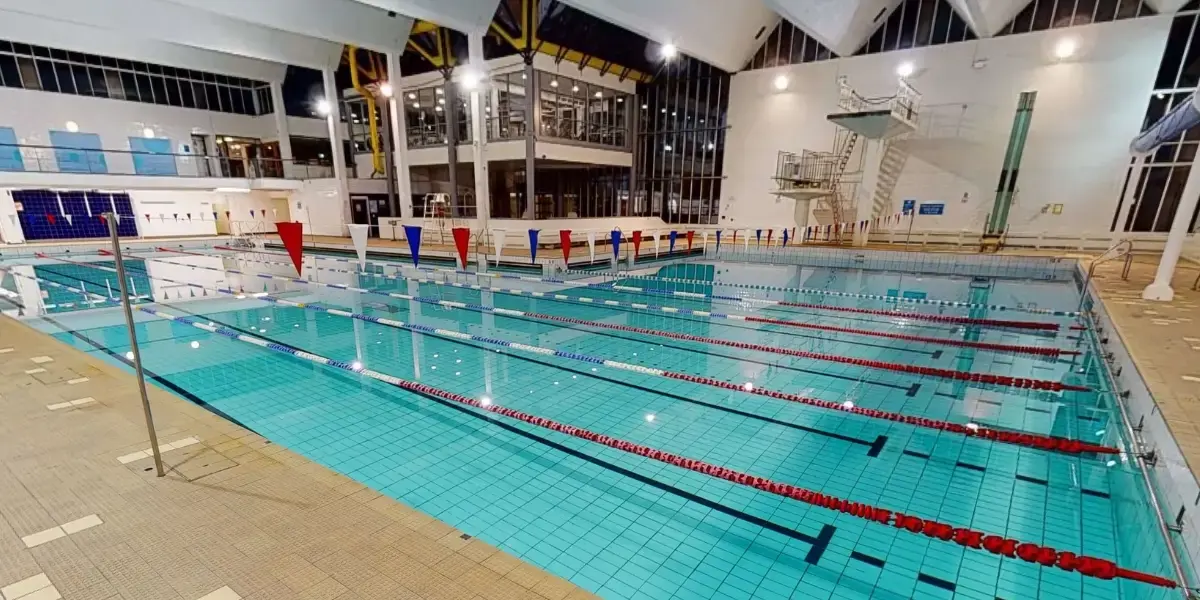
(317, 205)
(1088, 108)
(163, 206)
(10, 226)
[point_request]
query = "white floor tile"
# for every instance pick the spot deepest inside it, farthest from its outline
(80, 524)
(222, 594)
(1191, 378)
(25, 587)
(128, 458)
(82, 401)
(41, 537)
(42, 359)
(5, 350)
(34, 371)
(59, 406)
(49, 593)
(77, 380)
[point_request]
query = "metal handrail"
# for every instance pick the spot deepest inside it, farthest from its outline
(1105, 257)
(36, 158)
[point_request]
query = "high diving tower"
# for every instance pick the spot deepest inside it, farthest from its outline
(1170, 127)
(833, 179)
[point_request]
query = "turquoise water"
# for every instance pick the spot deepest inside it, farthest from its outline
(626, 527)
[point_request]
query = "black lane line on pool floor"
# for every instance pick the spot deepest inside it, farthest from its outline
(874, 447)
(155, 377)
(819, 543)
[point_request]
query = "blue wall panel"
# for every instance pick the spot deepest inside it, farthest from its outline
(10, 154)
(71, 151)
(36, 207)
(147, 159)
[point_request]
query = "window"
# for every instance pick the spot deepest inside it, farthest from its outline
(53, 70)
(577, 111)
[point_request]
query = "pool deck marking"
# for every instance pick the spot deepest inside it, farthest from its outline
(72, 403)
(59, 531)
(162, 448)
(37, 587)
(77, 380)
(34, 371)
(6, 350)
(225, 593)
(41, 359)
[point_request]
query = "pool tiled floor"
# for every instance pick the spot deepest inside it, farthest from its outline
(236, 516)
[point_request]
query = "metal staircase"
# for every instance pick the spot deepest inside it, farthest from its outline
(891, 165)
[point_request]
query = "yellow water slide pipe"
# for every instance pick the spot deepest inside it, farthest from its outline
(376, 153)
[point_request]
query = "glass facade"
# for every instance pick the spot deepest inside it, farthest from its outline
(679, 158)
(51, 70)
(577, 111)
(1159, 185)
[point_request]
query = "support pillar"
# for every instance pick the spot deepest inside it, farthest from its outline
(478, 67)
(399, 128)
(1161, 289)
(281, 124)
(533, 123)
(336, 151)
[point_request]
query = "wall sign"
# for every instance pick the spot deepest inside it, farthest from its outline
(908, 206)
(932, 209)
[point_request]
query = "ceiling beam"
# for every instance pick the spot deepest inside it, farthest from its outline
(465, 16)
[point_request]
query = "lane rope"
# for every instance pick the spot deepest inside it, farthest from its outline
(990, 346)
(969, 376)
(1033, 325)
(1085, 565)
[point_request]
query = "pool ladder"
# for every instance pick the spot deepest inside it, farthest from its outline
(1121, 249)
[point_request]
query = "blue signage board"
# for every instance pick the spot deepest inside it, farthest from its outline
(932, 209)
(908, 206)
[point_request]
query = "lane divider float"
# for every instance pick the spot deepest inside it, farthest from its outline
(1040, 442)
(674, 311)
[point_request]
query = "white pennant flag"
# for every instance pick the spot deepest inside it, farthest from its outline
(498, 239)
(746, 241)
(656, 242)
(592, 245)
(704, 241)
(358, 234)
(69, 221)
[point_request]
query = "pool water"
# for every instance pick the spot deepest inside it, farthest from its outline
(624, 526)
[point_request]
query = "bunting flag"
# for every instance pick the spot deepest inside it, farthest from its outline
(104, 222)
(50, 218)
(412, 233)
(533, 237)
(87, 205)
(671, 241)
(189, 216)
(292, 236)
(564, 239)
(70, 221)
(793, 233)
(690, 235)
(637, 244)
(147, 217)
(358, 236)
(704, 241)
(214, 215)
(718, 240)
(498, 241)
(275, 212)
(746, 242)
(656, 238)
(176, 215)
(616, 244)
(117, 216)
(785, 238)
(592, 245)
(734, 237)
(252, 214)
(227, 215)
(462, 236)
(758, 237)
(770, 233)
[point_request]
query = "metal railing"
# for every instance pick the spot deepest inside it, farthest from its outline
(509, 126)
(1122, 248)
(427, 135)
(58, 159)
(904, 104)
(579, 130)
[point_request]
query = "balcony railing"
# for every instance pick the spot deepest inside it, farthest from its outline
(509, 126)
(57, 159)
(578, 130)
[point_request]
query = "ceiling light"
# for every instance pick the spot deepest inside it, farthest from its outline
(228, 139)
(574, 88)
(323, 107)
(1066, 48)
(781, 82)
(1160, 95)
(412, 96)
(416, 105)
(554, 83)
(599, 94)
(667, 148)
(385, 88)
(439, 91)
(148, 133)
(711, 145)
(645, 106)
(470, 80)
(437, 108)
(668, 51)
(905, 69)
(441, 100)
(72, 126)
(620, 100)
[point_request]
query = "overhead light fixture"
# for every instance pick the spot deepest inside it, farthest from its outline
(620, 100)
(599, 94)
(905, 69)
(574, 88)
(1160, 95)
(323, 107)
(412, 96)
(72, 126)
(1066, 48)
(437, 108)
(228, 139)
(553, 83)
(148, 133)
(321, 155)
(441, 100)
(711, 145)
(668, 51)
(385, 88)
(416, 105)
(645, 106)
(232, 190)
(470, 80)
(667, 147)
(781, 82)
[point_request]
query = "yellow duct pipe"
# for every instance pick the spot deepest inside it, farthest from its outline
(376, 154)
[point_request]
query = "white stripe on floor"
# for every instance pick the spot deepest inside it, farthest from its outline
(41, 359)
(26, 587)
(224, 593)
(79, 402)
(49, 535)
(148, 452)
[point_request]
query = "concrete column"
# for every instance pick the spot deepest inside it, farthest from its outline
(399, 128)
(281, 125)
(1161, 288)
(337, 152)
(478, 70)
(533, 124)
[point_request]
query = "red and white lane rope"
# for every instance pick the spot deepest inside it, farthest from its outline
(1040, 442)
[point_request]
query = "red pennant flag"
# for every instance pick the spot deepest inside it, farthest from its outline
(50, 218)
(462, 236)
(689, 238)
(147, 216)
(292, 236)
(189, 216)
(103, 221)
(735, 236)
(226, 214)
(637, 242)
(770, 232)
(564, 236)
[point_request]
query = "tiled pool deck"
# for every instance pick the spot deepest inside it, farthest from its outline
(83, 517)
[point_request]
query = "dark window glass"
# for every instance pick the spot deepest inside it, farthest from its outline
(125, 64)
(20, 48)
(6, 46)
(198, 93)
(45, 70)
(57, 54)
(83, 83)
(99, 84)
(172, 86)
(93, 60)
(9, 75)
(66, 83)
(108, 62)
(141, 67)
(154, 69)
(41, 51)
(223, 80)
(144, 90)
(214, 98)
(129, 83)
(185, 94)
(160, 89)
(169, 71)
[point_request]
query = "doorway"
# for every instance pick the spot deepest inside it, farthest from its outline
(200, 151)
(368, 209)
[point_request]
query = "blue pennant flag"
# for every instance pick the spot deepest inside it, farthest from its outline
(671, 246)
(758, 236)
(533, 234)
(413, 234)
(616, 244)
(718, 240)
(785, 237)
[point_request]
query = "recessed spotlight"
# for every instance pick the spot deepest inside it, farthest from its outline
(599, 94)
(553, 83)
(412, 96)
(1066, 48)
(650, 418)
(645, 106)
(905, 69)
(782, 82)
(323, 107)
(148, 133)
(439, 91)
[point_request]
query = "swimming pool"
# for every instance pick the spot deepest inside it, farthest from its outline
(622, 525)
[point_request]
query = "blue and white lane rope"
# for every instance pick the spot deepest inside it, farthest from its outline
(763, 301)
(1038, 441)
(990, 346)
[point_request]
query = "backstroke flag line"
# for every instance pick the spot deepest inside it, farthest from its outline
(291, 234)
